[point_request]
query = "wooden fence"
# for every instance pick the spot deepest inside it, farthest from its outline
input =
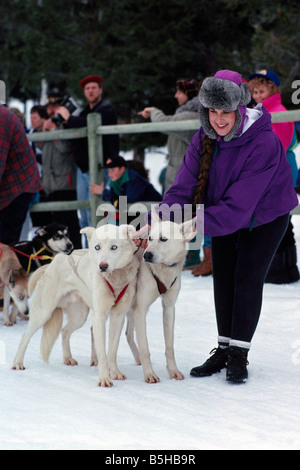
(94, 132)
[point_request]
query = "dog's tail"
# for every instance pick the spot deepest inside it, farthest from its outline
(50, 334)
(35, 276)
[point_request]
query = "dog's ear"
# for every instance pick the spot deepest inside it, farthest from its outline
(127, 231)
(154, 216)
(41, 231)
(189, 229)
(88, 231)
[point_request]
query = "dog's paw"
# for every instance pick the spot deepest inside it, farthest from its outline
(105, 382)
(7, 323)
(152, 378)
(18, 366)
(115, 374)
(176, 374)
(94, 362)
(70, 362)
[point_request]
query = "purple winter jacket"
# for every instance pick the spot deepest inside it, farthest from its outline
(250, 181)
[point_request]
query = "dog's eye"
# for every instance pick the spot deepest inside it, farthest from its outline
(97, 247)
(114, 247)
(21, 297)
(163, 239)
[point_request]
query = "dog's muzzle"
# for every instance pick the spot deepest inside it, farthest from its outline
(103, 267)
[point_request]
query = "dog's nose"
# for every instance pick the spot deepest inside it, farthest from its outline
(69, 246)
(26, 313)
(148, 256)
(103, 267)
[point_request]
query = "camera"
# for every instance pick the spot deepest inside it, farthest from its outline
(67, 103)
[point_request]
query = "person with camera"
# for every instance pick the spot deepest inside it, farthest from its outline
(92, 89)
(58, 175)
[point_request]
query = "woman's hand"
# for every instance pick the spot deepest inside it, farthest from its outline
(146, 113)
(139, 237)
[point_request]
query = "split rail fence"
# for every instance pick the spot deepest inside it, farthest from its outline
(94, 132)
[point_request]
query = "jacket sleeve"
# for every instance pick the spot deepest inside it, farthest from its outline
(236, 209)
(182, 190)
(158, 116)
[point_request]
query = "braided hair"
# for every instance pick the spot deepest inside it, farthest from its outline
(207, 152)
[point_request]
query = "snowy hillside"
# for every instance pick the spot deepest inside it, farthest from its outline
(52, 406)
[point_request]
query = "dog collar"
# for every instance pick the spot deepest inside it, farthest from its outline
(162, 289)
(170, 265)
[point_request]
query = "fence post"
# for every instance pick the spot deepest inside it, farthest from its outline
(95, 159)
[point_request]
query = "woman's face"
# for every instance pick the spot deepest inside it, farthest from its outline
(261, 93)
(221, 121)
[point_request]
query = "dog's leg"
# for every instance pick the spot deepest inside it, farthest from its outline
(94, 358)
(6, 304)
(169, 322)
(99, 332)
(115, 330)
(140, 312)
(77, 315)
(130, 336)
(14, 313)
(37, 320)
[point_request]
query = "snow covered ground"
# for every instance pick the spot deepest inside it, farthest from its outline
(52, 406)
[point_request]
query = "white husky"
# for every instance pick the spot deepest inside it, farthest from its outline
(102, 278)
(159, 275)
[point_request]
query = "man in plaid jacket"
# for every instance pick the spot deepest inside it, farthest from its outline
(19, 176)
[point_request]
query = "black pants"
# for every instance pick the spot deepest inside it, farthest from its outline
(12, 218)
(240, 264)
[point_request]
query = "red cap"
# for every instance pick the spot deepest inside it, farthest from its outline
(90, 78)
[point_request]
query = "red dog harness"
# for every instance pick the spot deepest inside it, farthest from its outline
(113, 291)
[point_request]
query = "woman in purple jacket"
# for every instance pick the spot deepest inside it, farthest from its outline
(236, 166)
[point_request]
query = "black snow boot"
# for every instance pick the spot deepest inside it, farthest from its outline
(237, 365)
(214, 364)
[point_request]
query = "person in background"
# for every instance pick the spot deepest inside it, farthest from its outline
(19, 176)
(125, 181)
(93, 91)
(58, 178)
(38, 116)
(178, 142)
(265, 89)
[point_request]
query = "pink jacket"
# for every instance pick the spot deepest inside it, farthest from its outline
(284, 130)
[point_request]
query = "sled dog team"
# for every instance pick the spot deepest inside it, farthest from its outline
(114, 278)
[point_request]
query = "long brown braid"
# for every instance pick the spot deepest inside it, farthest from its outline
(207, 152)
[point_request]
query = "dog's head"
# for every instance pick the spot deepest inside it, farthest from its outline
(18, 289)
(56, 237)
(167, 242)
(110, 247)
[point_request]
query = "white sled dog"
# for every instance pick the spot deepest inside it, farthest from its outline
(102, 278)
(159, 275)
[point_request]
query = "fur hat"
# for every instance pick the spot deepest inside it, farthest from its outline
(226, 91)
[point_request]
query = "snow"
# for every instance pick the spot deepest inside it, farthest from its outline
(55, 407)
